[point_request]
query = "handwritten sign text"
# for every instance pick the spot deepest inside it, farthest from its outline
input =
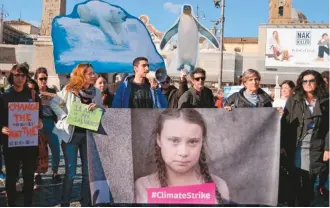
(23, 124)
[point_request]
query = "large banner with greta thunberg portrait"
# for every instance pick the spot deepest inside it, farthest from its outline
(187, 156)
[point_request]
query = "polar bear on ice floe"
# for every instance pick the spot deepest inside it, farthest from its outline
(107, 17)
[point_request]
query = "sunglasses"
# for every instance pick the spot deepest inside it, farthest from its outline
(308, 81)
(199, 78)
(165, 82)
(20, 75)
(43, 79)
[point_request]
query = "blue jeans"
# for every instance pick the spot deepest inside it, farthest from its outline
(54, 143)
(70, 151)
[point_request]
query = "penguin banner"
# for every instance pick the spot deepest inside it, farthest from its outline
(104, 35)
(144, 150)
(188, 31)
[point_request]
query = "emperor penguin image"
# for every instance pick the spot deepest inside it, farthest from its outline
(188, 30)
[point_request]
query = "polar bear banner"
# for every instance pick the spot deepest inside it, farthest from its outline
(104, 35)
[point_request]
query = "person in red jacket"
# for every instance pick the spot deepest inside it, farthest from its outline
(219, 97)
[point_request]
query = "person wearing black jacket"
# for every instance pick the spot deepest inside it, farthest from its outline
(2, 174)
(251, 96)
(305, 136)
(172, 93)
(198, 96)
(14, 156)
(325, 76)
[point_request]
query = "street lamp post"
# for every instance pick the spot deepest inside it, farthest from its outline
(198, 13)
(222, 22)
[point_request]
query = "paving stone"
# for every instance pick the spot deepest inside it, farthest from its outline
(49, 194)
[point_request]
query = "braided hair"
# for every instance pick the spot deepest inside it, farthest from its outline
(192, 116)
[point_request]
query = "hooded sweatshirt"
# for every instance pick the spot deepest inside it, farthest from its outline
(123, 97)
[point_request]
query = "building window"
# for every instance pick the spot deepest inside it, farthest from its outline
(281, 11)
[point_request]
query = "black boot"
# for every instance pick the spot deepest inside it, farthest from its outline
(66, 192)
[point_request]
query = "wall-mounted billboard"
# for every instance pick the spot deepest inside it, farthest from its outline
(292, 47)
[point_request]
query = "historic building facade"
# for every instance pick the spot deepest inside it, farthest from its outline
(240, 53)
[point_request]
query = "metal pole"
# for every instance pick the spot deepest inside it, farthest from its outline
(2, 15)
(197, 13)
(222, 21)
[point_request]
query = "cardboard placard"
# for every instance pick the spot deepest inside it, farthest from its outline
(23, 121)
(80, 116)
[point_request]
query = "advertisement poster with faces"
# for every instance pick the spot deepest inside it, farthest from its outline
(292, 47)
(187, 156)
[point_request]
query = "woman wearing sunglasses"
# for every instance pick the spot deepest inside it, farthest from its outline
(305, 136)
(49, 119)
(24, 154)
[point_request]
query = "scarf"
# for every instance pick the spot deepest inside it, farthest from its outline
(253, 98)
(88, 93)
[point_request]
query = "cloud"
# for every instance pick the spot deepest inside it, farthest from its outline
(173, 8)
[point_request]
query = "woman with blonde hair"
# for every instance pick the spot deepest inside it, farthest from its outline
(279, 52)
(179, 146)
(251, 96)
(79, 89)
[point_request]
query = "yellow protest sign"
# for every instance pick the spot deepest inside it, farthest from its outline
(80, 116)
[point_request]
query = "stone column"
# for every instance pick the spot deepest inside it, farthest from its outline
(277, 89)
(44, 58)
(1, 31)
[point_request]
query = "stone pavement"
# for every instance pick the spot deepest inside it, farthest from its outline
(49, 194)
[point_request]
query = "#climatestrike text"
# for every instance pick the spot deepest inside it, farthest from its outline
(188, 195)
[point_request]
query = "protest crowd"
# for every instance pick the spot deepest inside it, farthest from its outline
(304, 153)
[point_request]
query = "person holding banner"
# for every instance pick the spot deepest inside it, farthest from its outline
(179, 146)
(305, 136)
(251, 96)
(20, 132)
(198, 96)
(136, 90)
(79, 89)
